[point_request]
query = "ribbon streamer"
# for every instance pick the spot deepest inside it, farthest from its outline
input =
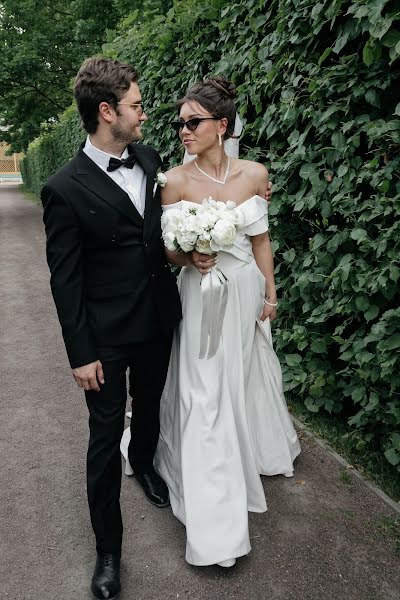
(214, 297)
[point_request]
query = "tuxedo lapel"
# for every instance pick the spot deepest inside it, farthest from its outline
(149, 166)
(94, 179)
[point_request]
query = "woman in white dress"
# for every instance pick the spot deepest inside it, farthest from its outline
(224, 420)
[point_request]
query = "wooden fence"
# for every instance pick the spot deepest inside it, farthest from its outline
(9, 165)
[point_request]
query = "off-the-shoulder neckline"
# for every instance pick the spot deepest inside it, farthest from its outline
(199, 203)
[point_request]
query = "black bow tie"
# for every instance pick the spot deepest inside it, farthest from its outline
(116, 163)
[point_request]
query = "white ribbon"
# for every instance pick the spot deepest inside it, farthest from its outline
(214, 297)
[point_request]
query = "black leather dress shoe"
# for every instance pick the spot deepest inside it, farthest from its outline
(154, 487)
(105, 582)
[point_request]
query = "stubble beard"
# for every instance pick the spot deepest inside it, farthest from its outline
(122, 136)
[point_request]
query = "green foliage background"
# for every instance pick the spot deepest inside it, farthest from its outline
(42, 44)
(317, 89)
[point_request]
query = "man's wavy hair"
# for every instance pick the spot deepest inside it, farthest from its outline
(101, 80)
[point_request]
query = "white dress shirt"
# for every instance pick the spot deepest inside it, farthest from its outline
(132, 181)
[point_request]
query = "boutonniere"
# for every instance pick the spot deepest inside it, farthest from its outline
(160, 180)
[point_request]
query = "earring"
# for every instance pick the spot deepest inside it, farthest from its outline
(220, 139)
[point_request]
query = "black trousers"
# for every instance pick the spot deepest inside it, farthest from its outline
(148, 364)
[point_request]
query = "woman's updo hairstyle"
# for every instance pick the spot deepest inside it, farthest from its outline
(216, 95)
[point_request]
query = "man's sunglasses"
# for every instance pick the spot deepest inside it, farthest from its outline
(192, 124)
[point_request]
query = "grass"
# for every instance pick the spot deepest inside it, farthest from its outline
(345, 477)
(341, 438)
(30, 196)
(390, 529)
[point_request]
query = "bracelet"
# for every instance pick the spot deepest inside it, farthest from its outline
(270, 303)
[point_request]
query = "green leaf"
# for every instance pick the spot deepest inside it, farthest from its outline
(393, 342)
(324, 56)
(370, 53)
(318, 241)
(290, 255)
(395, 439)
(364, 357)
(358, 394)
(358, 234)
(391, 38)
(307, 170)
(318, 346)
(392, 456)
(380, 28)
(293, 360)
(311, 405)
(372, 97)
(397, 110)
(339, 141)
(371, 313)
(298, 206)
(362, 303)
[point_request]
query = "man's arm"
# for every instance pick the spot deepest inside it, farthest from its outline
(64, 257)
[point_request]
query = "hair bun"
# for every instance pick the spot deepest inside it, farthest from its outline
(223, 85)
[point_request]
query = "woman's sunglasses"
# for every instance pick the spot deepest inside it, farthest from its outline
(192, 124)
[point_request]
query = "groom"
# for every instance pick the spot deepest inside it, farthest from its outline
(116, 298)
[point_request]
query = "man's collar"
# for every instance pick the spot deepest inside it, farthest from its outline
(98, 156)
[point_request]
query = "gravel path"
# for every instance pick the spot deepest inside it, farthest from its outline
(323, 536)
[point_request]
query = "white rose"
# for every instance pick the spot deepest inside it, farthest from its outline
(209, 203)
(223, 234)
(186, 240)
(203, 246)
(207, 219)
(169, 240)
(170, 219)
(191, 223)
(161, 179)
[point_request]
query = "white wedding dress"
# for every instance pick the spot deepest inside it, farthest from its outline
(224, 420)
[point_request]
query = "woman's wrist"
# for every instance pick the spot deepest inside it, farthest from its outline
(270, 295)
(270, 303)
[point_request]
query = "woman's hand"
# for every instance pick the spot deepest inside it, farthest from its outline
(268, 312)
(202, 262)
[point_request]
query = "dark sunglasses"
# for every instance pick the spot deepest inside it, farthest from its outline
(192, 124)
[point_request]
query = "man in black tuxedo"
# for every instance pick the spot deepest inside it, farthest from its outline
(116, 298)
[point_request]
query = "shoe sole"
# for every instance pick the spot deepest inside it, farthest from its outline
(158, 505)
(113, 598)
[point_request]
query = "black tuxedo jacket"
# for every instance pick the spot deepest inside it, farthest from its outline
(110, 279)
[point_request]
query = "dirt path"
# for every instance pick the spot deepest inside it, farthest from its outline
(322, 537)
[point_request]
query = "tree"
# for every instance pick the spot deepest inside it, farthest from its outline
(42, 44)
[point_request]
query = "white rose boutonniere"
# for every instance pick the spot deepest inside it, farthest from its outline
(160, 181)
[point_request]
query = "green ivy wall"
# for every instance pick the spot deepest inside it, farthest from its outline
(317, 90)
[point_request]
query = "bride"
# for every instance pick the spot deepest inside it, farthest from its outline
(224, 420)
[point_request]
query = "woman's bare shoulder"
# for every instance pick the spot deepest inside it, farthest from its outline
(176, 180)
(254, 169)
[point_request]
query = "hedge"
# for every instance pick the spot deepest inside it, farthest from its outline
(317, 90)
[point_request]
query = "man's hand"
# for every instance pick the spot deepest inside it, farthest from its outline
(89, 376)
(202, 262)
(268, 193)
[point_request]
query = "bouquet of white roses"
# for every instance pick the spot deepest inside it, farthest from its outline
(207, 228)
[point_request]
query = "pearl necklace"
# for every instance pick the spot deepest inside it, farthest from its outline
(221, 182)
